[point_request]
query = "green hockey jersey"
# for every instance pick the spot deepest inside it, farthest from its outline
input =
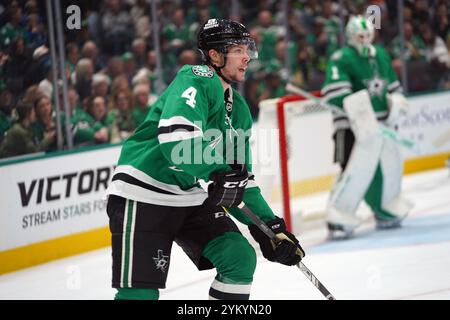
(189, 133)
(349, 72)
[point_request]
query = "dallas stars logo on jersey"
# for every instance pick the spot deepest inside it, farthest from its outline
(375, 86)
(202, 71)
(162, 261)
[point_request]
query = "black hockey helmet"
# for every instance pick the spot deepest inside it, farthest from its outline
(220, 34)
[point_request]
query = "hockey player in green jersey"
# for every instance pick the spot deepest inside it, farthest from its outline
(155, 197)
(361, 80)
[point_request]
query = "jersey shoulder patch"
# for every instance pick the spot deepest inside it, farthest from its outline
(202, 71)
(337, 55)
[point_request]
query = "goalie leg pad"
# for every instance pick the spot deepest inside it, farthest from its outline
(386, 200)
(363, 120)
(392, 169)
(352, 184)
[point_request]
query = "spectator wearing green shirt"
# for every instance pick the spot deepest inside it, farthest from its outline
(92, 126)
(120, 114)
(13, 29)
(141, 95)
(272, 85)
(414, 46)
(45, 124)
(20, 138)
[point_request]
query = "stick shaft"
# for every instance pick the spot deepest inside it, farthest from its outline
(267, 231)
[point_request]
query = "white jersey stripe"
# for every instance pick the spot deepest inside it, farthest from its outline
(142, 176)
(124, 228)
(178, 135)
(177, 120)
(338, 93)
(231, 288)
(336, 85)
(130, 257)
(136, 193)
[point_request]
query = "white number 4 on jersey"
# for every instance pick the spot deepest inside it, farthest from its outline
(190, 94)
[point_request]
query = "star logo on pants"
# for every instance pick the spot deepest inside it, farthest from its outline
(161, 261)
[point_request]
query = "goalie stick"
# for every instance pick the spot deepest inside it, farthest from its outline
(322, 104)
(268, 232)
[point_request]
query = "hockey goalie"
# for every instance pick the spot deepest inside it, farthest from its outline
(361, 80)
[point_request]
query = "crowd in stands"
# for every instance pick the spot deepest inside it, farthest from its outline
(111, 62)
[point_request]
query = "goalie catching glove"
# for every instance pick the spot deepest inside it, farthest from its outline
(227, 188)
(286, 251)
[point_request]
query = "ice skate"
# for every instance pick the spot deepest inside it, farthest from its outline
(341, 225)
(393, 214)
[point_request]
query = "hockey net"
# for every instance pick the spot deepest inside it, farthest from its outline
(295, 133)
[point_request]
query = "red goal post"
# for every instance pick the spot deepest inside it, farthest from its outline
(283, 148)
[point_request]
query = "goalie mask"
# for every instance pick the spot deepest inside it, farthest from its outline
(360, 34)
(220, 35)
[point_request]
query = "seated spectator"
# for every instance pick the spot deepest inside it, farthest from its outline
(177, 32)
(45, 123)
(115, 68)
(441, 20)
(31, 94)
(92, 126)
(120, 114)
(138, 49)
(120, 83)
(129, 65)
(45, 86)
(100, 86)
(16, 67)
(82, 77)
(437, 56)
(117, 27)
(35, 31)
(72, 55)
(414, 47)
(140, 14)
(143, 76)
(272, 85)
(436, 50)
(90, 51)
(13, 29)
(141, 95)
(20, 139)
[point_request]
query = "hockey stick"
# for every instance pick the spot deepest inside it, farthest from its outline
(387, 132)
(268, 232)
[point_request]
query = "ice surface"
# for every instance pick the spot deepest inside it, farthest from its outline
(408, 263)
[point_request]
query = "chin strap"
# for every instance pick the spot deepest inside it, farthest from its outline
(219, 70)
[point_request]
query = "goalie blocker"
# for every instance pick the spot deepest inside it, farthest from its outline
(372, 169)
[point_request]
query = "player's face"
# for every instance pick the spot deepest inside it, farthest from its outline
(238, 57)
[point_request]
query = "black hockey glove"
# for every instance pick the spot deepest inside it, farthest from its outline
(227, 188)
(286, 251)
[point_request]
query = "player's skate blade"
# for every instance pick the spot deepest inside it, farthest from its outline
(339, 232)
(388, 224)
